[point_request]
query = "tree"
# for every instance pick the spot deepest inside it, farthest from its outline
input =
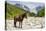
(32, 14)
(41, 13)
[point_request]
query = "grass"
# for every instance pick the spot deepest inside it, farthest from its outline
(12, 10)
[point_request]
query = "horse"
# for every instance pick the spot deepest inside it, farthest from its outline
(19, 18)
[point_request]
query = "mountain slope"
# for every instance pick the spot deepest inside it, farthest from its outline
(12, 10)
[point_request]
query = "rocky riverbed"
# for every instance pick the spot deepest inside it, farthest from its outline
(29, 23)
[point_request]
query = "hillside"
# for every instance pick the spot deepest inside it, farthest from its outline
(12, 10)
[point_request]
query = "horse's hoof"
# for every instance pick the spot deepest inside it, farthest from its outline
(21, 27)
(14, 26)
(18, 27)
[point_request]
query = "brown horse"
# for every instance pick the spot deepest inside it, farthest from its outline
(19, 18)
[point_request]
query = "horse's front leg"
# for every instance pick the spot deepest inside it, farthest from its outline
(21, 24)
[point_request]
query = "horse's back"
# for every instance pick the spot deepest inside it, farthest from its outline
(17, 18)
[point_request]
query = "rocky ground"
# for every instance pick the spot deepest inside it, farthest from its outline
(29, 23)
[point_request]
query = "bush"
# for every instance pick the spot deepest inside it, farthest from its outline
(32, 14)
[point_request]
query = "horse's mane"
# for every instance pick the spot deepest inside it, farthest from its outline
(23, 14)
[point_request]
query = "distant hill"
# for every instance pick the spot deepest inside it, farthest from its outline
(31, 7)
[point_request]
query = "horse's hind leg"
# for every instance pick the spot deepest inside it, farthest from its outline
(14, 23)
(19, 24)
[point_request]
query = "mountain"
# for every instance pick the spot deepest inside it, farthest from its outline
(28, 6)
(22, 6)
(12, 10)
(39, 7)
(31, 7)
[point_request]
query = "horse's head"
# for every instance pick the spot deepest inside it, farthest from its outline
(25, 15)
